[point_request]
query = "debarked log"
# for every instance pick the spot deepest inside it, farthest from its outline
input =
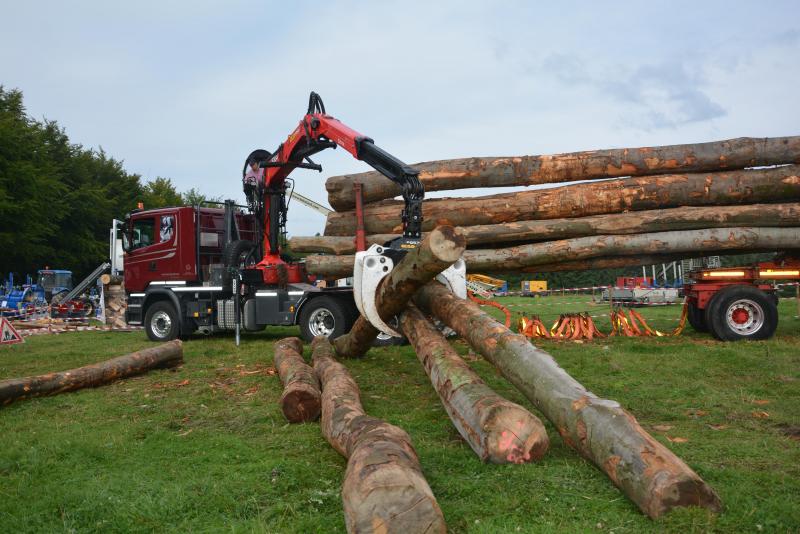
(599, 429)
(498, 430)
(781, 184)
(591, 165)
(437, 251)
(301, 396)
(712, 240)
(98, 374)
(384, 489)
(637, 222)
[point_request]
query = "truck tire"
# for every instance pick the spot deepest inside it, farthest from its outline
(742, 312)
(324, 316)
(696, 317)
(162, 322)
(236, 254)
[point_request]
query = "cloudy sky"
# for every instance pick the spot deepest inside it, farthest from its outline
(186, 89)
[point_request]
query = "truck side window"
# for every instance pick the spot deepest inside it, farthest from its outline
(143, 232)
(167, 227)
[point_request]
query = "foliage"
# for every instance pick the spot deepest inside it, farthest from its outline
(57, 198)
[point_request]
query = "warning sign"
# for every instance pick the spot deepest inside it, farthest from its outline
(8, 333)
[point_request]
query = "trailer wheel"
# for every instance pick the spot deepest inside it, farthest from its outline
(697, 318)
(161, 322)
(324, 316)
(742, 312)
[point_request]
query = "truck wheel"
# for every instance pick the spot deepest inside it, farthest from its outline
(697, 318)
(742, 312)
(324, 316)
(161, 322)
(236, 254)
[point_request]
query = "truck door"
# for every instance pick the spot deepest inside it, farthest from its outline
(153, 253)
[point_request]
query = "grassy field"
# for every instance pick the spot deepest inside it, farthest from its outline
(205, 448)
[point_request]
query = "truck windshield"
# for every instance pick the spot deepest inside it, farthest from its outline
(143, 232)
(50, 280)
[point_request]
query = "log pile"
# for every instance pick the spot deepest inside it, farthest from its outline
(632, 195)
(115, 302)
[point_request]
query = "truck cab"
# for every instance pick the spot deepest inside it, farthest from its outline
(189, 269)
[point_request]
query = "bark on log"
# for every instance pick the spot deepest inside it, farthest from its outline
(438, 250)
(301, 398)
(682, 218)
(531, 170)
(599, 429)
(713, 240)
(780, 184)
(384, 489)
(498, 430)
(136, 363)
(575, 254)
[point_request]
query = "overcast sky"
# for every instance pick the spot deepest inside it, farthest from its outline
(186, 90)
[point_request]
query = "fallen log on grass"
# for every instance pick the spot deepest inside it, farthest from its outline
(599, 429)
(98, 374)
(636, 222)
(715, 240)
(384, 489)
(498, 430)
(301, 396)
(591, 165)
(437, 251)
(780, 184)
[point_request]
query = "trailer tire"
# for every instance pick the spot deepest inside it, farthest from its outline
(324, 316)
(162, 322)
(696, 317)
(742, 312)
(236, 254)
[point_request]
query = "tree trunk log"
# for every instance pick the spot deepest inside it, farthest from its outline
(532, 170)
(578, 253)
(781, 184)
(682, 218)
(689, 241)
(599, 429)
(384, 489)
(438, 250)
(498, 430)
(136, 363)
(301, 396)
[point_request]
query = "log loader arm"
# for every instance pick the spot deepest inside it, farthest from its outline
(316, 132)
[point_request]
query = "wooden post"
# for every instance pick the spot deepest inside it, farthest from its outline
(438, 250)
(98, 374)
(498, 430)
(301, 396)
(384, 490)
(599, 429)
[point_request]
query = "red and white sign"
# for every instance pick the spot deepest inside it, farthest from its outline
(8, 334)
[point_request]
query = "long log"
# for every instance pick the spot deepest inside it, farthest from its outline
(781, 184)
(90, 376)
(573, 254)
(637, 222)
(301, 398)
(592, 165)
(712, 240)
(599, 429)
(498, 430)
(437, 251)
(384, 489)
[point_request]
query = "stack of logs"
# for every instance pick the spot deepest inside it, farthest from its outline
(637, 206)
(384, 489)
(114, 300)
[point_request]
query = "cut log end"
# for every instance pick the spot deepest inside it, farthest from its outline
(516, 435)
(301, 399)
(301, 403)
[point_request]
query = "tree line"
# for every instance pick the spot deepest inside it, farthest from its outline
(57, 198)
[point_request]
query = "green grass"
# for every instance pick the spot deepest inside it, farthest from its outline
(205, 448)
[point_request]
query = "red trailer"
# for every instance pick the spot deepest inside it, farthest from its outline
(736, 303)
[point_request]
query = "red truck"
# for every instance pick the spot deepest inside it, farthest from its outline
(210, 269)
